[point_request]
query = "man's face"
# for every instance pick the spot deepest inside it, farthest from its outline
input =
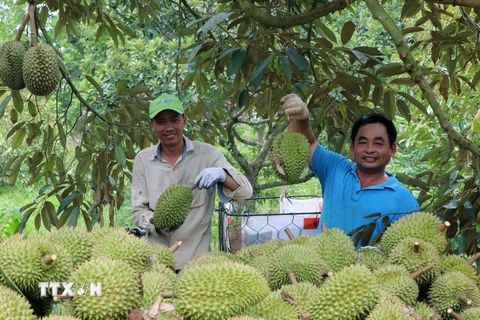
(168, 126)
(371, 148)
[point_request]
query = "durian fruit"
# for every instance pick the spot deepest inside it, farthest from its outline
(60, 317)
(425, 311)
(120, 245)
(335, 247)
(154, 283)
(471, 314)
(78, 242)
(245, 318)
(453, 290)
(269, 248)
(172, 207)
(396, 280)
(391, 309)
(300, 293)
(208, 258)
(303, 261)
(275, 307)
(372, 257)
(14, 305)
(22, 262)
(415, 254)
(349, 294)
(11, 62)
(218, 291)
(163, 254)
(453, 262)
(289, 155)
(422, 225)
(120, 290)
(41, 71)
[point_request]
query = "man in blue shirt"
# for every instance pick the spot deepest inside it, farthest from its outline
(360, 197)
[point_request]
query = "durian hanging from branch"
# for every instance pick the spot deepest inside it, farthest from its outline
(11, 59)
(41, 71)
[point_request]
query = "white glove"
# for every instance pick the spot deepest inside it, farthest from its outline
(208, 177)
(294, 107)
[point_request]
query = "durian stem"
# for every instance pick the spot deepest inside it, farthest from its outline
(327, 274)
(49, 258)
(324, 228)
(253, 255)
(289, 233)
(444, 226)
(474, 258)
(59, 298)
(421, 271)
(454, 315)
(167, 294)
(22, 27)
(175, 246)
(416, 247)
(291, 276)
(306, 316)
(464, 298)
(33, 30)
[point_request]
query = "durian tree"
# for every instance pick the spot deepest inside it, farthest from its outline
(231, 62)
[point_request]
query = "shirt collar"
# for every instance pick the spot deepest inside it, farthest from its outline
(188, 146)
(391, 183)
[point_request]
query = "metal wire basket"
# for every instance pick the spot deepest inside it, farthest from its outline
(257, 220)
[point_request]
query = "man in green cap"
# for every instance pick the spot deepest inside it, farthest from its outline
(176, 160)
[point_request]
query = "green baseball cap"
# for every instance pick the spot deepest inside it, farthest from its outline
(165, 102)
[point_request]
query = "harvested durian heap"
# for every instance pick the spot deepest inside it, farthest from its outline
(321, 277)
(289, 156)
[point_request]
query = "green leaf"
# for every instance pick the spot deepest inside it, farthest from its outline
(373, 215)
(17, 100)
(410, 8)
(236, 61)
(45, 218)
(67, 201)
(367, 233)
(213, 21)
(326, 31)
(404, 110)
(138, 90)
(72, 221)
(32, 109)
(259, 72)
(285, 66)
(120, 156)
(227, 52)
(4, 104)
(347, 31)
(121, 87)
(242, 99)
(414, 101)
(297, 59)
(95, 84)
(44, 188)
(194, 52)
(9, 282)
(38, 221)
(18, 137)
(360, 56)
(389, 105)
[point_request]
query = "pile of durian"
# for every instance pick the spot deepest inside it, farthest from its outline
(29, 65)
(408, 276)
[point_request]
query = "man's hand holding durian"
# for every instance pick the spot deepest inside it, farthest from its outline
(294, 107)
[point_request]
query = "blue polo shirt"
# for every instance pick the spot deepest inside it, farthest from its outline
(345, 203)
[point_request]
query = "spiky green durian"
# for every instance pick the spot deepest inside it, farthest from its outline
(301, 293)
(78, 242)
(154, 283)
(424, 311)
(372, 257)
(217, 291)
(453, 262)
(14, 305)
(120, 290)
(289, 155)
(163, 255)
(269, 248)
(349, 294)
(422, 225)
(41, 71)
(302, 239)
(305, 263)
(60, 317)
(275, 307)
(453, 290)
(391, 311)
(172, 207)
(396, 280)
(11, 62)
(210, 257)
(415, 254)
(121, 245)
(245, 318)
(471, 314)
(335, 247)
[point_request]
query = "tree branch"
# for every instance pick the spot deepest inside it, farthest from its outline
(460, 3)
(416, 74)
(269, 20)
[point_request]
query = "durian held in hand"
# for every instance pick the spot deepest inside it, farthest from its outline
(289, 156)
(172, 207)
